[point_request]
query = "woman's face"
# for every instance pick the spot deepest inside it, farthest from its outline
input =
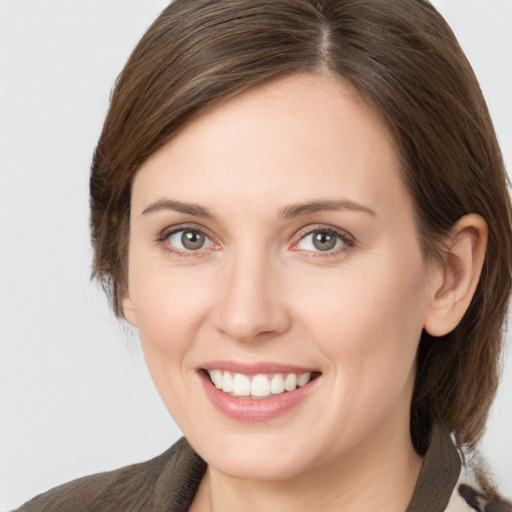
(272, 240)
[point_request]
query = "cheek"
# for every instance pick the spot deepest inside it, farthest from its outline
(369, 322)
(169, 311)
(168, 305)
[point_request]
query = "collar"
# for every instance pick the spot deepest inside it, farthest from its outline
(438, 476)
(437, 480)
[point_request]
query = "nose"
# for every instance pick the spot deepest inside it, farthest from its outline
(250, 305)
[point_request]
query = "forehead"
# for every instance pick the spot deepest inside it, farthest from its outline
(297, 138)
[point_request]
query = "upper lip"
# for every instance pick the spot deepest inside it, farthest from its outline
(254, 368)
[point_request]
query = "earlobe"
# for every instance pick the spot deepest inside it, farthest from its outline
(128, 308)
(461, 268)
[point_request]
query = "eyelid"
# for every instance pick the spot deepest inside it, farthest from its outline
(347, 239)
(164, 235)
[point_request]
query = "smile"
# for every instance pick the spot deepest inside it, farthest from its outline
(257, 386)
(256, 392)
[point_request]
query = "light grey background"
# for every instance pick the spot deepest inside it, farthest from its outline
(75, 397)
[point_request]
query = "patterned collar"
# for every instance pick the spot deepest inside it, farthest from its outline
(445, 485)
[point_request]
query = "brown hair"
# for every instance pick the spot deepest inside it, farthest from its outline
(404, 60)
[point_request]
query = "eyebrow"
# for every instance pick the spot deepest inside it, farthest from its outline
(296, 210)
(288, 212)
(179, 206)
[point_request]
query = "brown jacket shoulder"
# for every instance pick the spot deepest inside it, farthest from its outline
(166, 483)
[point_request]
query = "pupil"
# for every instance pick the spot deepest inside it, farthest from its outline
(324, 241)
(192, 240)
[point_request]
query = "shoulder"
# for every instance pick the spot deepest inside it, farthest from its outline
(448, 481)
(474, 490)
(469, 495)
(477, 500)
(167, 482)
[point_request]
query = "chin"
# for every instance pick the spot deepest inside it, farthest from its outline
(258, 467)
(258, 457)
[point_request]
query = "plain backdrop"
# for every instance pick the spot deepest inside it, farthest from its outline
(75, 397)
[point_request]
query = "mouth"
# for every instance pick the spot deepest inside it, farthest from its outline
(255, 393)
(259, 386)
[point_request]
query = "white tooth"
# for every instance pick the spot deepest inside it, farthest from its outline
(227, 382)
(241, 385)
(277, 384)
(260, 386)
(303, 379)
(216, 376)
(290, 382)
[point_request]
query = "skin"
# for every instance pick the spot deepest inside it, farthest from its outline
(259, 291)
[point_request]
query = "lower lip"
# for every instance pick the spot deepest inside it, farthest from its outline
(249, 410)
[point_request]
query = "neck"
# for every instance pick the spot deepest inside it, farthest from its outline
(381, 476)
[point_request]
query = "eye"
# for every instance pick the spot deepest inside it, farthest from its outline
(188, 240)
(323, 240)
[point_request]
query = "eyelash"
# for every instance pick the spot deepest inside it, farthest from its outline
(346, 239)
(164, 237)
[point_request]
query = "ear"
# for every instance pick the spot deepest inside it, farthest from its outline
(128, 308)
(459, 275)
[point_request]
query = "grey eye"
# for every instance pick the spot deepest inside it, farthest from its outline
(192, 240)
(189, 240)
(324, 241)
(320, 240)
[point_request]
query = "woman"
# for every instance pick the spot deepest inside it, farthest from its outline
(302, 207)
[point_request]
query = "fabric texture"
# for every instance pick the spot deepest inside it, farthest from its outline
(166, 483)
(169, 482)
